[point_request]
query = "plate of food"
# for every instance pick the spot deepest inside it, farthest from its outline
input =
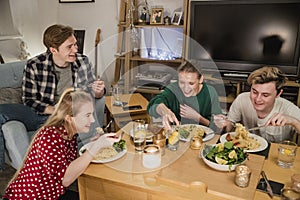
(107, 154)
(223, 156)
(187, 131)
(242, 138)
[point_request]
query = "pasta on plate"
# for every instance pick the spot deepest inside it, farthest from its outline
(242, 139)
(105, 153)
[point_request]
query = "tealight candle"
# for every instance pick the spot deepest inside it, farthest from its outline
(242, 175)
(296, 182)
(151, 156)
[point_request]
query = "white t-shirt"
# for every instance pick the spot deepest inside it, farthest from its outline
(243, 111)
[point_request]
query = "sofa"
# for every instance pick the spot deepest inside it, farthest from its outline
(16, 142)
(10, 92)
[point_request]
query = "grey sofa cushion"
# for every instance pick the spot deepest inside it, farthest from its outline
(11, 74)
(10, 95)
(17, 141)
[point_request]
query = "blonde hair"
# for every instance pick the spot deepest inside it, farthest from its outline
(68, 104)
(268, 74)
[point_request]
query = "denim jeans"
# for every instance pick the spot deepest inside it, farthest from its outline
(22, 113)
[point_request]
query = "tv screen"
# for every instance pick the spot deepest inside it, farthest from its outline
(241, 36)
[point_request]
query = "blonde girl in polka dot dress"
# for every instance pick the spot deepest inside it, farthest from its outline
(52, 163)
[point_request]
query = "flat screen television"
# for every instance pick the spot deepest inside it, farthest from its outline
(241, 36)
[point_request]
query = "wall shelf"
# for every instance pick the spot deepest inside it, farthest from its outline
(127, 64)
(10, 37)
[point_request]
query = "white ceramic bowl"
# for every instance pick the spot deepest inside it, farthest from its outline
(217, 166)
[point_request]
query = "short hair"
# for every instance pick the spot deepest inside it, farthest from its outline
(56, 34)
(268, 74)
(190, 68)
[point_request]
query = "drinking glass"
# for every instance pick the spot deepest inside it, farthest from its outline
(139, 141)
(173, 139)
(117, 93)
(286, 154)
(289, 194)
(139, 135)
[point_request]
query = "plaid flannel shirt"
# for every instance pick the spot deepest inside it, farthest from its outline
(39, 79)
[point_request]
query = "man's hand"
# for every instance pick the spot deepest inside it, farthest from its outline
(49, 110)
(98, 87)
(279, 119)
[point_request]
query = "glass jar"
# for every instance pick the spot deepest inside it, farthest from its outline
(296, 182)
(242, 175)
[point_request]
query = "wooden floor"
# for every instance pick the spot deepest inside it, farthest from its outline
(5, 177)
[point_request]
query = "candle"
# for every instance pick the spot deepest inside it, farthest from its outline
(242, 175)
(151, 156)
(160, 140)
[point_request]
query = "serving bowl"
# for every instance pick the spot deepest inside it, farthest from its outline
(220, 167)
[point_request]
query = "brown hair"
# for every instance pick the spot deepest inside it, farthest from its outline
(268, 74)
(190, 68)
(56, 34)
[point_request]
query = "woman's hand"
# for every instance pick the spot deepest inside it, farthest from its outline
(167, 116)
(220, 120)
(189, 113)
(106, 140)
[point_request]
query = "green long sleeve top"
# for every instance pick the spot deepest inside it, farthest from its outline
(206, 102)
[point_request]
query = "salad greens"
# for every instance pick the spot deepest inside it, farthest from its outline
(184, 133)
(120, 146)
(226, 154)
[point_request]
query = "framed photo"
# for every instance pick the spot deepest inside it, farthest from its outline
(76, 1)
(176, 18)
(157, 16)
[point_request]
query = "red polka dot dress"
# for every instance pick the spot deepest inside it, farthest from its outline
(42, 174)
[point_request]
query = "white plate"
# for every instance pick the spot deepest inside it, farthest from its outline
(209, 133)
(263, 142)
(119, 155)
(217, 166)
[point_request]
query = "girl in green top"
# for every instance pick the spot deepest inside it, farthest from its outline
(189, 100)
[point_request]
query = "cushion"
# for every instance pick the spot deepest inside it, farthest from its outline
(10, 95)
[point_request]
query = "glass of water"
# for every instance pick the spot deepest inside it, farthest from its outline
(117, 93)
(286, 154)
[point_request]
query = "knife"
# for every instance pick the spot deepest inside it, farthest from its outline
(269, 188)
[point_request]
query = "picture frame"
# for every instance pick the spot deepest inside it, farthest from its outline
(176, 18)
(76, 1)
(157, 16)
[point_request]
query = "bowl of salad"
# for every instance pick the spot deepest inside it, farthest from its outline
(223, 156)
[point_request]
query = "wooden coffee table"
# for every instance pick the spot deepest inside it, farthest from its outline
(120, 116)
